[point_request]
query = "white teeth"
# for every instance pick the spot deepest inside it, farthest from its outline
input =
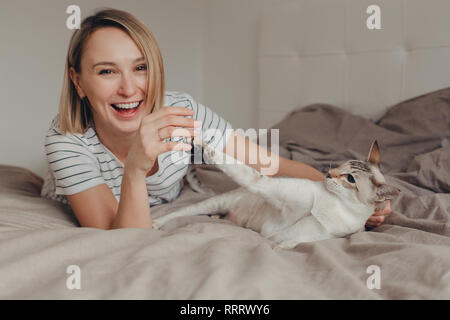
(127, 105)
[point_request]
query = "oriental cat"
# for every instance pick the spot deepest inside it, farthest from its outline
(289, 211)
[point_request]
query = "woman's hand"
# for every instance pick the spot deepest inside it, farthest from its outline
(378, 217)
(155, 128)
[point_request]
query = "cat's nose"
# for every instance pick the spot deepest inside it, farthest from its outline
(333, 173)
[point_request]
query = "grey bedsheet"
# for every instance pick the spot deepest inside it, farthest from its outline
(207, 258)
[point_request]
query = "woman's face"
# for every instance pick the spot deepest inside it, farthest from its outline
(113, 74)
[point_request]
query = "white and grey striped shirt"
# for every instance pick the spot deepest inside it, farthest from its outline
(79, 162)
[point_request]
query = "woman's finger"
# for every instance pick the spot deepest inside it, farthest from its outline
(170, 132)
(168, 111)
(385, 211)
(378, 213)
(175, 121)
(376, 219)
(176, 146)
(371, 225)
(387, 208)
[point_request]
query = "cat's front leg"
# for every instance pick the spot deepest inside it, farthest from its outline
(241, 173)
(246, 176)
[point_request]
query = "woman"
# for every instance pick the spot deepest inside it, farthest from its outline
(111, 150)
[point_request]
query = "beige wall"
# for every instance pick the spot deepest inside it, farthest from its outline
(230, 64)
(210, 48)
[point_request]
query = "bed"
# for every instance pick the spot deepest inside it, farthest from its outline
(207, 258)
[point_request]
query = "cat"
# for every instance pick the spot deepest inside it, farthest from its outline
(289, 211)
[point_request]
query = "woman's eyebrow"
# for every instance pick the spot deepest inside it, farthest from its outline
(114, 64)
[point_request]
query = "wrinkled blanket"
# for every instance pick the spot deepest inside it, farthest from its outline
(407, 257)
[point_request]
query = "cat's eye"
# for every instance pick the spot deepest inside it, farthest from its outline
(350, 178)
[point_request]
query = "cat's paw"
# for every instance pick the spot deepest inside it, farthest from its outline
(209, 152)
(210, 155)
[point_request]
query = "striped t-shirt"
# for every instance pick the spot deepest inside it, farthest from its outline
(80, 161)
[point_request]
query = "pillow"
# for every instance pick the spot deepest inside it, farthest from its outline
(425, 115)
(19, 179)
(23, 208)
(431, 170)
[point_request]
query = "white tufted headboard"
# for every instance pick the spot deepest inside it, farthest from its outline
(322, 51)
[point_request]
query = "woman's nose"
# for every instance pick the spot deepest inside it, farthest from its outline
(127, 86)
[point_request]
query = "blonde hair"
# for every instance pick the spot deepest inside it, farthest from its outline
(74, 112)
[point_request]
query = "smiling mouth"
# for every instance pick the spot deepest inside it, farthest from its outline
(126, 108)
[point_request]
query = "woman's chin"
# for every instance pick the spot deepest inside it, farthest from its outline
(129, 128)
(125, 127)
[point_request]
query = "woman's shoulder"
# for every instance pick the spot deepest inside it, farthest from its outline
(178, 98)
(55, 136)
(176, 94)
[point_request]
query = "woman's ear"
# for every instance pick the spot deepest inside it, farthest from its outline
(75, 77)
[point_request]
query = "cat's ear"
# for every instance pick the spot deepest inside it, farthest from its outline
(386, 191)
(374, 154)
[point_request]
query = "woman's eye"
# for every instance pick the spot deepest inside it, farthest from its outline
(105, 71)
(350, 178)
(142, 67)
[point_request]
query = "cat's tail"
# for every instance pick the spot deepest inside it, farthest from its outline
(195, 183)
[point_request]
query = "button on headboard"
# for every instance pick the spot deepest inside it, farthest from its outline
(322, 51)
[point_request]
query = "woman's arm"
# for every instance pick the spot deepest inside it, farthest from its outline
(297, 169)
(133, 209)
(271, 164)
(98, 208)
